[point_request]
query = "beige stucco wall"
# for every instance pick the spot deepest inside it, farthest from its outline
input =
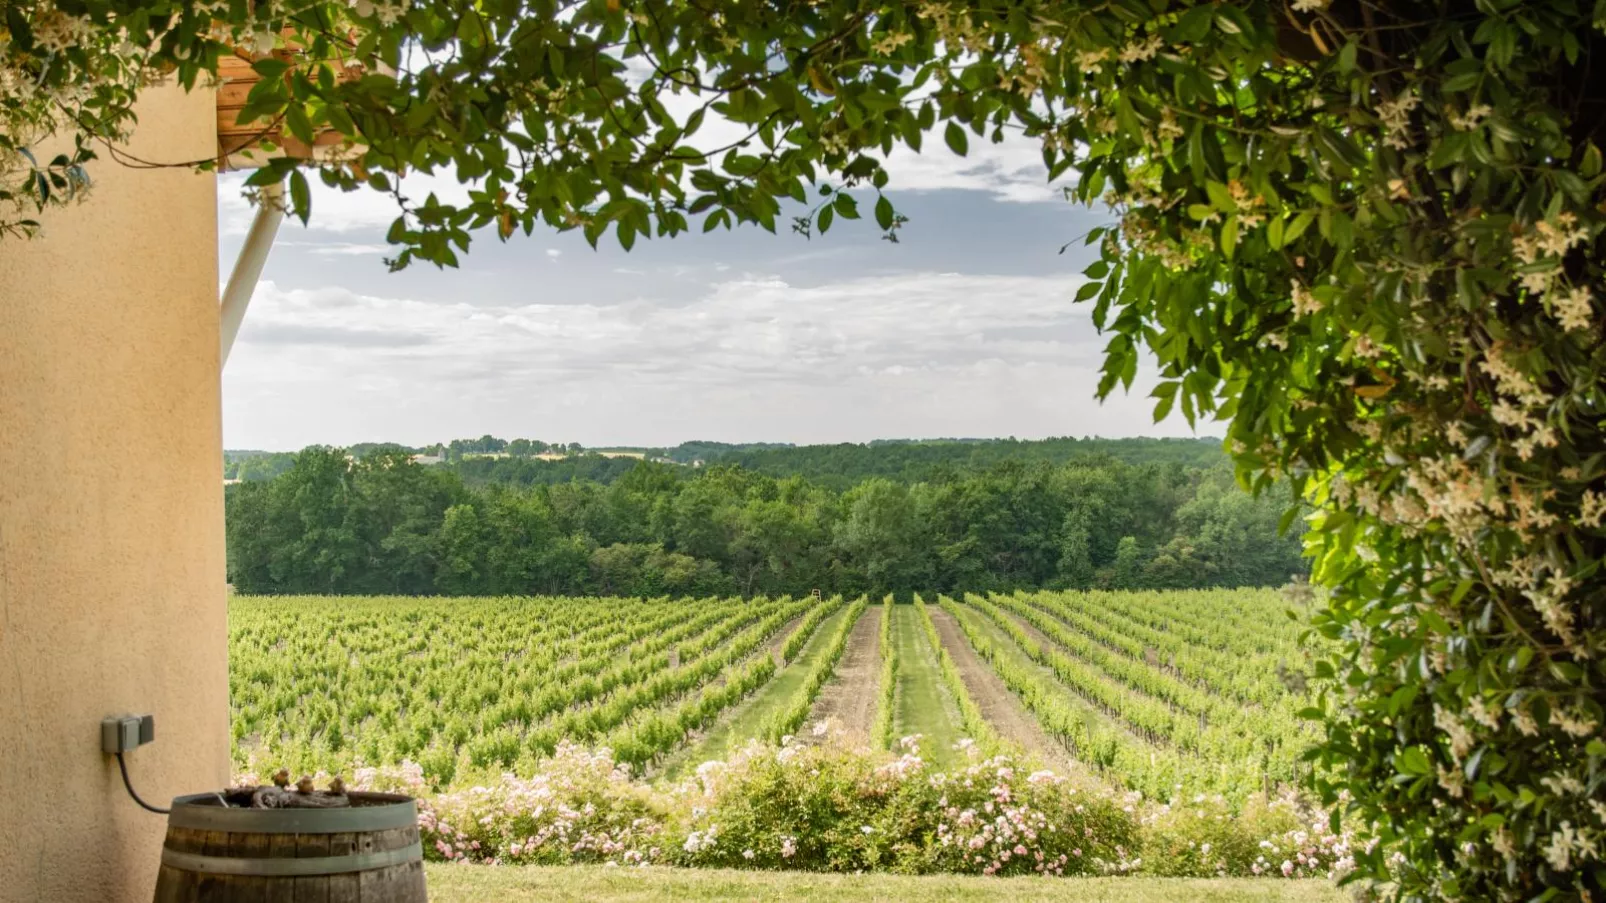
(111, 516)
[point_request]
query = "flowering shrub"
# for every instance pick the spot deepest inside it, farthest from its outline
(834, 807)
(1203, 837)
(579, 807)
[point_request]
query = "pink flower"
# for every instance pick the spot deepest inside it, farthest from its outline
(1288, 868)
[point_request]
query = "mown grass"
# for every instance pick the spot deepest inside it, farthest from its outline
(924, 704)
(749, 718)
(526, 884)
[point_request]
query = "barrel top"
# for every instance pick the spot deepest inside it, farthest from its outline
(368, 812)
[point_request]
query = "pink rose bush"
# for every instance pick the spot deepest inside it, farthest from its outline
(831, 807)
(828, 806)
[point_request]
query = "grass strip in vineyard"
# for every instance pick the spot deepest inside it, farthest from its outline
(791, 715)
(887, 704)
(752, 718)
(925, 705)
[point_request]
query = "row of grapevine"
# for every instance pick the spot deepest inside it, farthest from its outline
(791, 716)
(319, 682)
(1214, 728)
(1232, 664)
(1095, 739)
(887, 704)
(975, 724)
(1154, 690)
(645, 739)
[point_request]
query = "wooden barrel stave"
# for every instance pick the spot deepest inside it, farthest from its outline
(208, 879)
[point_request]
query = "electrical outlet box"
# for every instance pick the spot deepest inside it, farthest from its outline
(121, 733)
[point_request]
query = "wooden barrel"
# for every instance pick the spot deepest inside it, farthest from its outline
(368, 852)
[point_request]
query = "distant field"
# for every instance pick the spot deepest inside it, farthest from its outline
(1148, 689)
(457, 884)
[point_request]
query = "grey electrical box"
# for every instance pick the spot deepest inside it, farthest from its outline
(121, 733)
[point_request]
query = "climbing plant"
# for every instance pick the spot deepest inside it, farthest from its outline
(1365, 235)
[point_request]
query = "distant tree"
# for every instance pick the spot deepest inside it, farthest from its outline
(1127, 571)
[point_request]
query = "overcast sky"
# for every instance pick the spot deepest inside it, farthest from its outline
(964, 328)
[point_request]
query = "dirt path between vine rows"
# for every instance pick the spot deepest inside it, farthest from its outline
(781, 636)
(998, 705)
(849, 697)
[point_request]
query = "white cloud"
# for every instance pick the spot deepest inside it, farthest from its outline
(755, 358)
(554, 253)
(337, 248)
(333, 210)
(1011, 170)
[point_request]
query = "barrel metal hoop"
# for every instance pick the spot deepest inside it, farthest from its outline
(288, 868)
(191, 812)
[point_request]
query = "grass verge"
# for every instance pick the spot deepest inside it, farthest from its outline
(526, 884)
(925, 706)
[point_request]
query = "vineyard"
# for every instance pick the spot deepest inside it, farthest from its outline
(1146, 692)
(1056, 733)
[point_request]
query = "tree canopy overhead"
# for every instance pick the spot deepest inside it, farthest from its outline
(1366, 235)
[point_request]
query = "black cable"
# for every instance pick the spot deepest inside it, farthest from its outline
(123, 767)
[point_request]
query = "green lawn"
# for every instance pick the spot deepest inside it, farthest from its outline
(526, 884)
(924, 703)
(748, 720)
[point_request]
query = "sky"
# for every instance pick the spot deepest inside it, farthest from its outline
(965, 327)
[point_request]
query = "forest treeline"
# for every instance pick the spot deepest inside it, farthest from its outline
(334, 522)
(490, 459)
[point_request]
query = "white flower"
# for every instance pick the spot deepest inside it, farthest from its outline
(1592, 508)
(1089, 60)
(1573, 308)
(1140, 52)
(1305, 303)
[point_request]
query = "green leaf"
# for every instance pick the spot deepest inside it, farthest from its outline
(1346, 57)
(1413, 761)
(883, 212)
(823, 221)
(1166, 392)
(1298, 227)
(958, 142)
(269, 67)
(1589, 167)
(300, 196)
